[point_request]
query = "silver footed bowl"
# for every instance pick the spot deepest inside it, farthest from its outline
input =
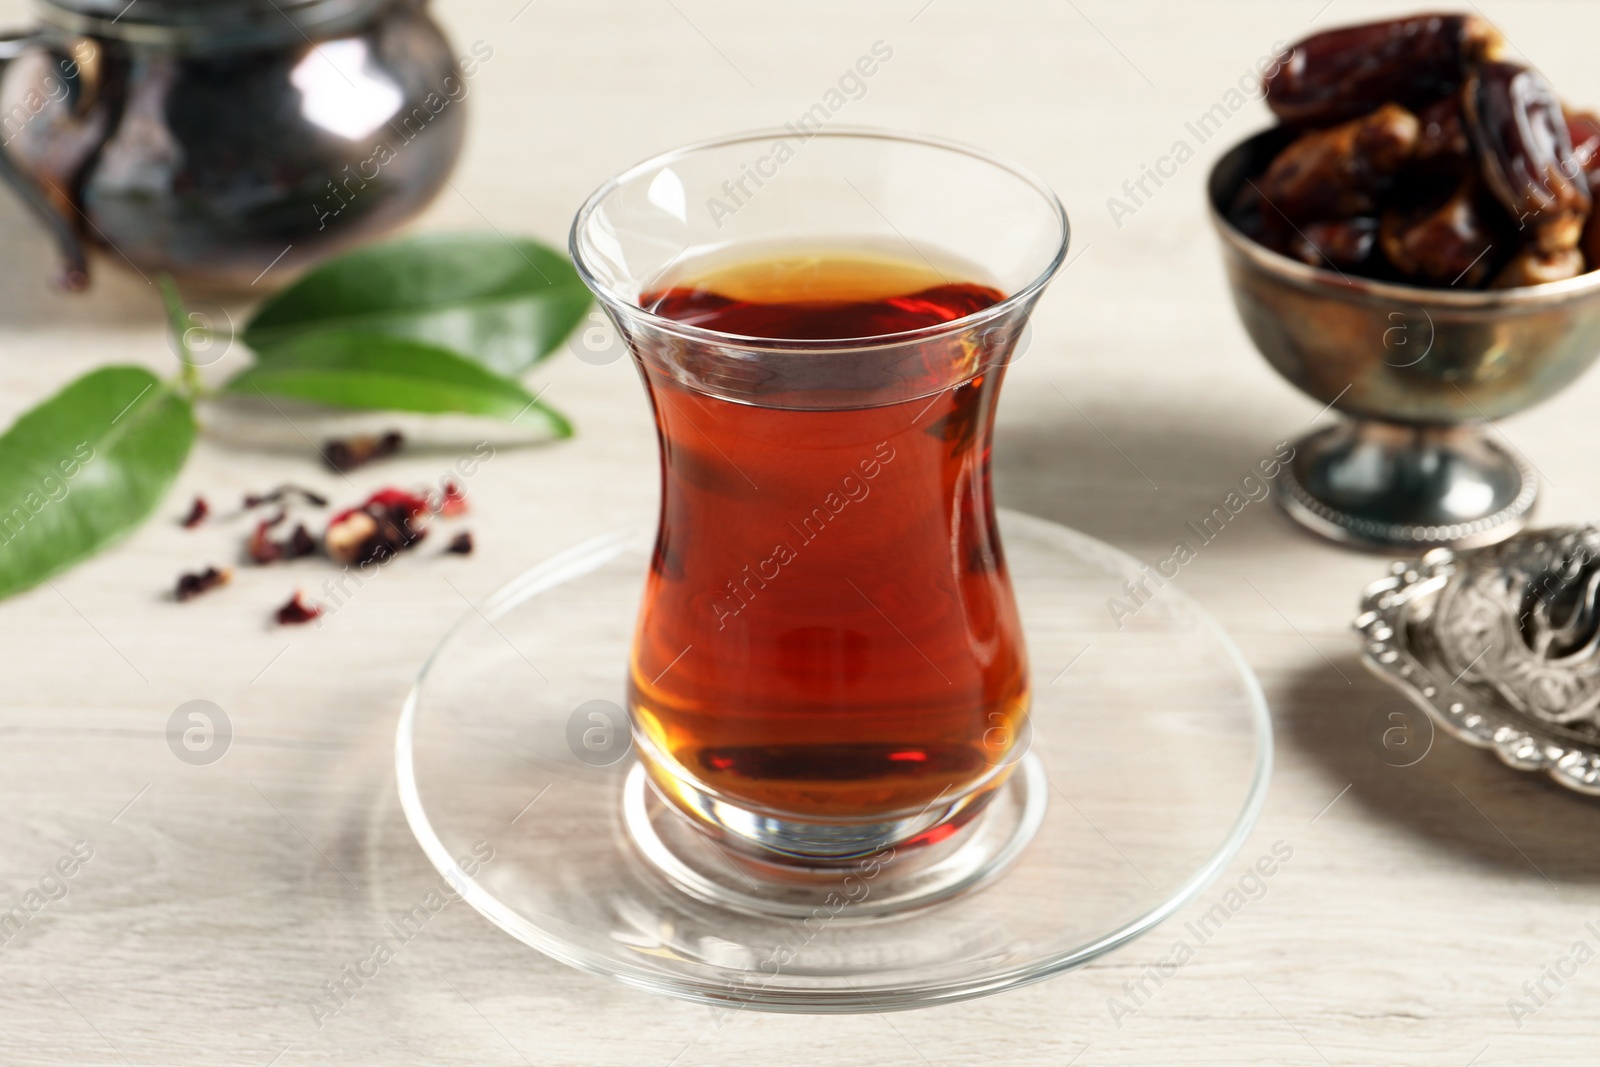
(1418, 372)
(1500, 646)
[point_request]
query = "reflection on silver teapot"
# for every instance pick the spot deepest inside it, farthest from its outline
(223, 140)
(1524, 619)
(1500, 646)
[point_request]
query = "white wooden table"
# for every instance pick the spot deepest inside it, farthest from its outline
(220, 899)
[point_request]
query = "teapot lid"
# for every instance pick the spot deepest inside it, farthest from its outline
(182, 22)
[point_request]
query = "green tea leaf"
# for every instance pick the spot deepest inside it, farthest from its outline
(374, 372)
(504, 302)
(84, 468)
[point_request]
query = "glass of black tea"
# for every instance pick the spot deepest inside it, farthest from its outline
(828, 662)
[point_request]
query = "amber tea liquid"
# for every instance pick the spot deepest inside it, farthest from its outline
(828, 630)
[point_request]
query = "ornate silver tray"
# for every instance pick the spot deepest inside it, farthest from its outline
(1500, 646)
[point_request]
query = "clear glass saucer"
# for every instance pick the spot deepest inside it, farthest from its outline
(1147, 765)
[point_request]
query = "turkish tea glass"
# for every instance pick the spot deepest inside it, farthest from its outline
(828, 662)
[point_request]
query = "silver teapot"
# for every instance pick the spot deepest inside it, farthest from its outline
(227, 142)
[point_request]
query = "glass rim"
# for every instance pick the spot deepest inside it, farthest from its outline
(1021, 298)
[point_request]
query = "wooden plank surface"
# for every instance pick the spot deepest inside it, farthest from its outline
(216, 901)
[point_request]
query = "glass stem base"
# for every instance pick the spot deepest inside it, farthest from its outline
(1388, 487)
(753, 863)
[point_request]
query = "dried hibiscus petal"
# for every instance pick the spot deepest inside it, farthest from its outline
(396, 531)
(1525, 152)
(261, 548)
(452, 500)
(460, 544)
(197, 513)
(192, 585)
(275, 496)
(348, 453)
(390, 521)
(410, 503)
(297, 611)
(300, 543)
(1338, 74)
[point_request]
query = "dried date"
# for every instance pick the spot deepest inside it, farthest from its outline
(1444, 243)
(1590, 242)
(1524, 149)
(1338, 173)
(1339, 74)
(1257, 219)
(1442, 139)
(1532, 267)
(1583, 129)
(1345, 243)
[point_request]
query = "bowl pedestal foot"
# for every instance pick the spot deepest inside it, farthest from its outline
(1388, 486)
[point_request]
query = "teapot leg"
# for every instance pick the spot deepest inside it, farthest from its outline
(1386, 486)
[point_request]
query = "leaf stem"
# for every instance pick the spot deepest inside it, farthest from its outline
(189, 383)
